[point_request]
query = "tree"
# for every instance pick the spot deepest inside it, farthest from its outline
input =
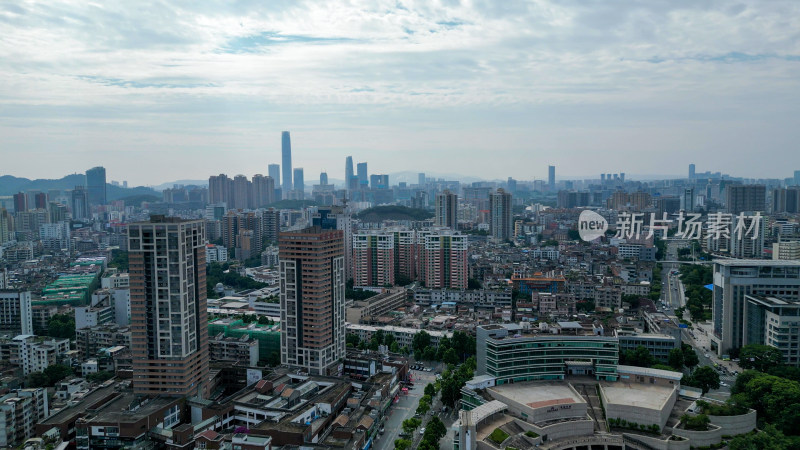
(409, 425)
(430, 389)
(450, 356)
(274, 359)
(435, 429)
(690, 358)
(402, 444)
(99, 377)
(640, 357)
(61, 326)
(421, 341)
(676, 358)
(394, 347)
(429, 354)
(472, 283)
(353, 339)
(760, 357)
(770, 438)
(705, 378)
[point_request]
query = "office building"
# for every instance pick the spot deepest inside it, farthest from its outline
(15, 313)
(735, 278)
(362, 175)
(773, 321)
(745, 198)
(500, 214)
(286, 155)
(80, 203)
(687, 200)
(299, 183)
(373, 258)
(96, 185)
(509, 357)
(274, 171)
(312, 300)
(323, 178)
(551, 178)
(421, 179)
(169, 329)
(797, 177)
(348, 172)
(446, 214)
(691, 171)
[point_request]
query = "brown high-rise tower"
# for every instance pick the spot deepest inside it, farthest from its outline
(169, 333)
(312, 299)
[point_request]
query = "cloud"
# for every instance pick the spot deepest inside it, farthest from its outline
(428, 74)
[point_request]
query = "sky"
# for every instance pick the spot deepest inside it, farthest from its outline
(175, 90)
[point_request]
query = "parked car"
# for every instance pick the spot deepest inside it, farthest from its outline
(422, 430)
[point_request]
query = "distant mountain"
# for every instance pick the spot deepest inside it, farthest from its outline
(170, 184)
(10, 185)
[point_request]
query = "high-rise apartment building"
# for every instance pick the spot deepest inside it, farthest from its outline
(443, 257)
(96, 185)
(241, 192)
(687, 200)
(286, 162)
(312, 300)
(500, 214)
(786, 200)
(735, 278)
(338, 218)
(745, 198)
(262, 191)
(20, 202)
(220, 190)
(446, 214)
(551, 177)
(373, 258)
(169, 329)
(15, 313)
(274, 171)
(80, 203)
(6, 225)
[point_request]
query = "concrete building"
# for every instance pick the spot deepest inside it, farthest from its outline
(511, 357)
(786, 250)
(169, 330)
(745, 198)
(96, 186)
(16, 315)
(446, 212)
(442, 258)
(32, 354)
(242, 349)
(774, 321)
(312, 299)
(90, 341)
(403, 336)
(286, 162)
(91, 316)
(501, 225)
(373, 258)
(365, 310)
(735, 278)
(20, 411)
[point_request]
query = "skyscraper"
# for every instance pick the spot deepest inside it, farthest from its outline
(362, 175)
(691, 171)
(797, 177)
(373, 258)
(96, 185)
(20, 202)
(500, 220)
(299, 182)
(323, 178)
(551, 177)
(348, 172)
(286, 153)
(275, 173)
(169, 329)
(262, 192)
(80, 203)
(312, 300)
(220, 190)
(446, 214)
(241, 192)
(421, 179)
(687, 200)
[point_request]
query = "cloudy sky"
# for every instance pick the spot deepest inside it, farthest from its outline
(183, 89)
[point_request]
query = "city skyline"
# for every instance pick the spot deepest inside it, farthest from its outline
(651, 87)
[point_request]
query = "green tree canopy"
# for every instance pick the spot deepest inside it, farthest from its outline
(760, 357)
(705, 378)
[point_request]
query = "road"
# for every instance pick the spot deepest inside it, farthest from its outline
(402, 410)
(698, 337)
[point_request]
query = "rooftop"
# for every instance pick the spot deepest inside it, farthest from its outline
(539, 394)
(636, 394)
(757, 262)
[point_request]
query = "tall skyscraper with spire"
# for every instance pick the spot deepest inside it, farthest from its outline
(348, 172)
(286, 153)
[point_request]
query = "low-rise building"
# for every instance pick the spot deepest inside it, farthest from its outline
(33, 354)
(242, 349)
(378, 305)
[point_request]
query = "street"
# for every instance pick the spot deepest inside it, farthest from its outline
(402, 410)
